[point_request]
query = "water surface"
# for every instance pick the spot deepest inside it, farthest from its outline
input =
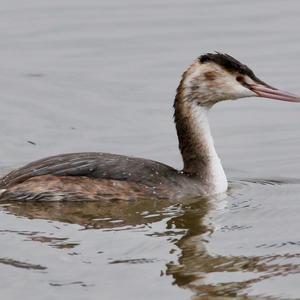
(101, 76)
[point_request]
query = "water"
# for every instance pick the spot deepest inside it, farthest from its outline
(101, 75)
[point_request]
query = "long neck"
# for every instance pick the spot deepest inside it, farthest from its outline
(195, 141)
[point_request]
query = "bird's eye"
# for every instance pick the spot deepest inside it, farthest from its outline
(240, 79)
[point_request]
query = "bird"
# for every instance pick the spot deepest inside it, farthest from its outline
(95, 176)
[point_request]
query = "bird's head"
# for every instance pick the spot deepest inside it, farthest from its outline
(216, 77)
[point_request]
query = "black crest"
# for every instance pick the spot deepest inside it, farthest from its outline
(229, 63)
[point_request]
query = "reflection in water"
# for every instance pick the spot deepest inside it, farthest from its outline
(214, 275)
(96, 215)
(188, 227)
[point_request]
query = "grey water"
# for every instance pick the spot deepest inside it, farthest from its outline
(99, 75)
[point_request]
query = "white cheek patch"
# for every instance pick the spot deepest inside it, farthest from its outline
(221, 86)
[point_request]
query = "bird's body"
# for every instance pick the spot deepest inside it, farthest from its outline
(96, 176)
(101, 176)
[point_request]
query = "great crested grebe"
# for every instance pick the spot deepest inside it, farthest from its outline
(212, 78)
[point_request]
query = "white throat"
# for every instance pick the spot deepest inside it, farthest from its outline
(215, 181)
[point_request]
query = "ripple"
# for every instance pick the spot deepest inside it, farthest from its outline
(21, 264)
(133, 261)
(248, 182)
(80, 283)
